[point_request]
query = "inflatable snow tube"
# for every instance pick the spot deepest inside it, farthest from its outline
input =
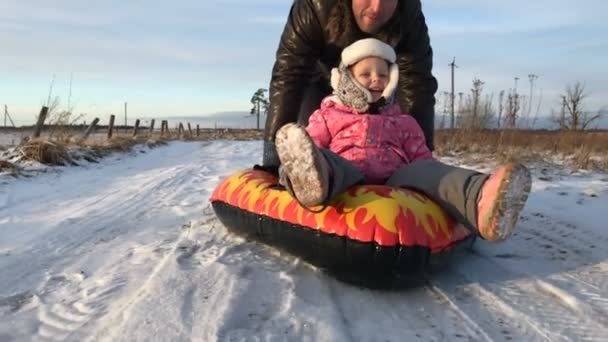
(368, 232)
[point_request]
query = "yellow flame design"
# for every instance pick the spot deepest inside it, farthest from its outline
(232, 183)
(277, 201)
(384, 210)
(424, 210)
(251, 192)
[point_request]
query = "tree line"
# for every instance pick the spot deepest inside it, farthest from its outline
(477, 110)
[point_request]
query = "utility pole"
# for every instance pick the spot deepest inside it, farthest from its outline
(453, 66)
(7, 116)
(563, 113)
(500, 106)
(444, 110)
(70, 93)
(531, 77)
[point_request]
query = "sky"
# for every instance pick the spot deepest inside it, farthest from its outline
(187, 58)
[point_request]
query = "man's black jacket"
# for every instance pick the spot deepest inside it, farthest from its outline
(309, 48)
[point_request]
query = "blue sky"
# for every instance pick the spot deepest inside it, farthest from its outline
(191, 57)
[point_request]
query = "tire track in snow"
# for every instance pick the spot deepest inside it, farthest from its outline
(584, 302)
(121, 204)
(68, 240)
(262, 302)
(104, 210)
(245, 290)
(572, 250)
(470, 324)
(573, 269)
(513, 293)
(120, 314)
(592, 295)
(67, 303)
(422, 313)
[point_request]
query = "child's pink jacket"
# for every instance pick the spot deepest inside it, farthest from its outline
(377, 144)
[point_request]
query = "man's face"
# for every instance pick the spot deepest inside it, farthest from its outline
(372, 14)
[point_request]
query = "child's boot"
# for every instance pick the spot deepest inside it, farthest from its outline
(501, 199)
(304, 165)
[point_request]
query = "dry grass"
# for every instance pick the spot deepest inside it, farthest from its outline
(586, 150)
(46, 152)
(226, 134)
(69, 151)
(10, 168)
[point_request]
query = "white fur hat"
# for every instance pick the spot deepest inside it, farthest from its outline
(368, 47)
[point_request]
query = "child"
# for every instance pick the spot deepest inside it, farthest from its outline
(359, 136)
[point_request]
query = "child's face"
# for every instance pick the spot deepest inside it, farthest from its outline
(372, 74)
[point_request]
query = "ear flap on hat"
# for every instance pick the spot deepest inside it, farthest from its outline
(335, 78)
(392, 81)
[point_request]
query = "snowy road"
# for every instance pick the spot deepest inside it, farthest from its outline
(130, 250)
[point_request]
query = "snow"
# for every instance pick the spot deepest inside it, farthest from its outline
(11, 138)
(130, 250)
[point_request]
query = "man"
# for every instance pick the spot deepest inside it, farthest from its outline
(313, 38)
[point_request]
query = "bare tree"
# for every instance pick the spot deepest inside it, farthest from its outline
(477, 111)
(488, 110)
(501, 97)
(572, 115)
(512, 108)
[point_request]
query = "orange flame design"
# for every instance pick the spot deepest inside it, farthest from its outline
(369, 213)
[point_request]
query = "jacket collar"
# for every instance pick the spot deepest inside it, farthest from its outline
(332, 101)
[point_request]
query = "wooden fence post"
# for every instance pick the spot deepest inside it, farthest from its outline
(90, 129)
(163, 124)
(135, 128)
(111, 126)
(198, 130)
(152, 127)
(189, 130)
(40, 123)
(180, 130)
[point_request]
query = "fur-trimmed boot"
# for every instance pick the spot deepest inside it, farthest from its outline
(502, 198)
(304, 166)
